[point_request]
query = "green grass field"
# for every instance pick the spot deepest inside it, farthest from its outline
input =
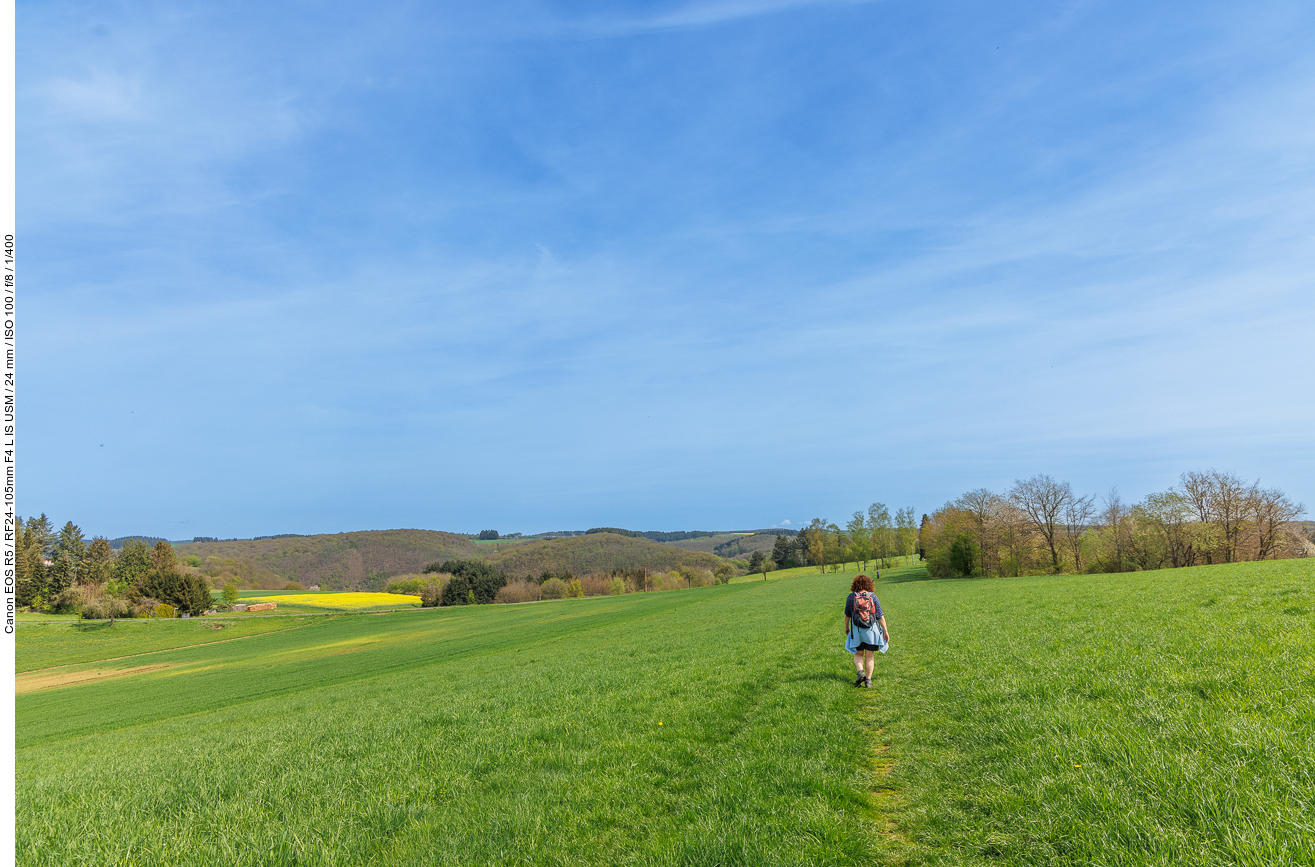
(1152, 718)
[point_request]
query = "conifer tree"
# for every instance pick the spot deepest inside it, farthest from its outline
(29, 565)
(69, 543)
(133, 562)
(43, 533)
(97, 563)
(163, 557)
(61, 575)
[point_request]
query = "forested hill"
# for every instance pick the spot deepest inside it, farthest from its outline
(597, 553)
(337, 559)
(729, 544)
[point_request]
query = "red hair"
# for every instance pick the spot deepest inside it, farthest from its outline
(862, 582)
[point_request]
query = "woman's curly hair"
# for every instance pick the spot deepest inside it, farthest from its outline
(862, 582)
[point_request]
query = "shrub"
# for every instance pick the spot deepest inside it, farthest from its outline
(666, 581)
(144, 607)
(294, 585)
(963, 555)
(553, 588)
(695, 577)
(407, 586)
(68, 601)
(230, 593)
(519, 591)
(106, 608)
(617, 587)
(574, 589)
(595, 585)
(164, 609)
(187, 592)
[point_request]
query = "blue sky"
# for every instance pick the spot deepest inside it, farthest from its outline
(320, 267)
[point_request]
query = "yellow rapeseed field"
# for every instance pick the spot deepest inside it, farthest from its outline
(345, 601)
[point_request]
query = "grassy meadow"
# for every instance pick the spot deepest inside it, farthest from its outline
(1148, 718)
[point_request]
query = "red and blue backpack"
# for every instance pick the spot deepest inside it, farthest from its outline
(864, 614)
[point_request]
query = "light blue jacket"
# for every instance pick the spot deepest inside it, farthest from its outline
(859, 636)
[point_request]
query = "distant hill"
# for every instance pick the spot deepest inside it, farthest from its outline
(598, 553)
(729, 545)
(339, 559)
(686, 535)
(118, 543)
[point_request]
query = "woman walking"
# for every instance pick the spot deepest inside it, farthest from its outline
(865, 628)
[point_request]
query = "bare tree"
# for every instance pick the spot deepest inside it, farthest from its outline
(1198, 489)
(1078, 512)
(1168, 515)
(1114, 518)
(1232, 508)
(1271, 511)
(984, 507)
(1015, 534)
(1043, 500)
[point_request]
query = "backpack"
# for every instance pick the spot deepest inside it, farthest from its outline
(864, 615)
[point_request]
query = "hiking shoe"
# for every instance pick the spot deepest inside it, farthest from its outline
(867, 683)
(859, 682)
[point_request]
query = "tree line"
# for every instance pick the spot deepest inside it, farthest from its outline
(61, 572)
(475, 582)
(876, 536)
(1042, 525)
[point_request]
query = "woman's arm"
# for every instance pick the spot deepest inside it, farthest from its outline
(885, 632)
(846, 624)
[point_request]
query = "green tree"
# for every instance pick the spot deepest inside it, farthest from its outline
(29, 564)
(906, 533)
(785, 552)
(473, 582)
(837, 547)
(879, 527)
(814, 540)
(70, 541)
(133, 562)
(230, 593)
(42, 534)
(163, 557)
(97, 563)
(188, 593)
(61, 575)
(860, 540)
(963, 552)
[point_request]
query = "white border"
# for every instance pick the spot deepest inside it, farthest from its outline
(9, 269)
